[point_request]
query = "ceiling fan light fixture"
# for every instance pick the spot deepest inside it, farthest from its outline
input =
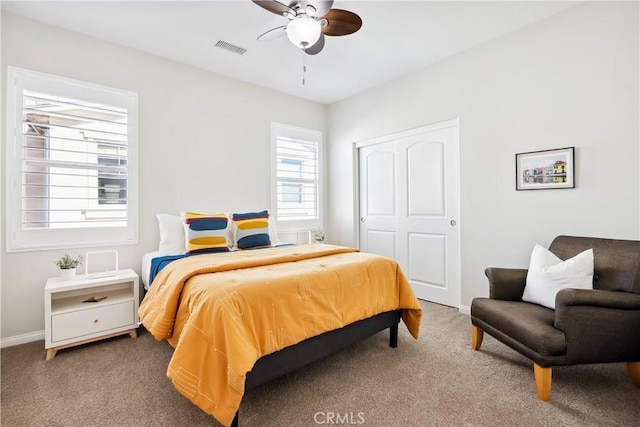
(303, 31)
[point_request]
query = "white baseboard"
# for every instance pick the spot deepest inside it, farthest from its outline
(21, 339)
(465, 309)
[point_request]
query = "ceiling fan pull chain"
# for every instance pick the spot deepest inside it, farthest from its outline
(304, 69)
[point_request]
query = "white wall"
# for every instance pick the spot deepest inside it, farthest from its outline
(203, 145)
(570, 80)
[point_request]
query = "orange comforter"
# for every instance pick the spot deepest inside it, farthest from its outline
(221, 316)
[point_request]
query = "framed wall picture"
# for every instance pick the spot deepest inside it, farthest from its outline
(548, 169)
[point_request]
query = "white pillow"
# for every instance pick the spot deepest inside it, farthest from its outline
(171, 234)
(548, 274)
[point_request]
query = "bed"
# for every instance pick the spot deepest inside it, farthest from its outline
(239, 319)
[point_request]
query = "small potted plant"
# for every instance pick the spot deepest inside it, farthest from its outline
(68, 266)
(317, 236)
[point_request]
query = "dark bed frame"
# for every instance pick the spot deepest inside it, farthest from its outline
(310, 350)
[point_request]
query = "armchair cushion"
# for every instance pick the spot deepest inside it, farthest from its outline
(527, 324)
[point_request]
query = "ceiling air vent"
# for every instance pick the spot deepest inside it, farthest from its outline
(230, 47)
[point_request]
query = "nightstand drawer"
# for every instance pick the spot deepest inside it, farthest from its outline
(79, 323)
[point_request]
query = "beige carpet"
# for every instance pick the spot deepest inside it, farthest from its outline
(435, 381)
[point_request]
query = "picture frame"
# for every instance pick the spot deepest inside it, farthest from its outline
(101, 264)
(546, 169)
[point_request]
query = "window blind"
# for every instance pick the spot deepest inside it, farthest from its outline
(74, 163)
(297, 174)
(296, 177)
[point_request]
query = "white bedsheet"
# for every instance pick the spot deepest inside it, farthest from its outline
(146, 266)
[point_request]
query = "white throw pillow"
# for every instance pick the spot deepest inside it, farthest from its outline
(548, 274)
(171, 234)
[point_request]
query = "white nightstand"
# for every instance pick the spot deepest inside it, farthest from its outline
(69, 321)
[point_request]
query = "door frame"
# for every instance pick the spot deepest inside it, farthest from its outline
(393, 136)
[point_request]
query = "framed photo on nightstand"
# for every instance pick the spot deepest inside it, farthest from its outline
(101, 264)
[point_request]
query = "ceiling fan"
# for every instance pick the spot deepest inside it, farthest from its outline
(309, 22)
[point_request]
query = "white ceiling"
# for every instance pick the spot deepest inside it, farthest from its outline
(396, 38)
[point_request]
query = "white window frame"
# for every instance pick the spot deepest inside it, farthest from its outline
(24, 240)
(279, 130)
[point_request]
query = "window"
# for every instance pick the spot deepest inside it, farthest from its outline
(112, 179)
(295, 184)
(290, 170)
(71, 163)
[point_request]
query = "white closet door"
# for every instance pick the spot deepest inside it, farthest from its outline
(409, 207)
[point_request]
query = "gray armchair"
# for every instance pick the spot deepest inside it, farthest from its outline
(587, 326)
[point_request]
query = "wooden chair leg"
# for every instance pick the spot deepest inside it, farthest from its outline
(476, 337)
(634, 372)
(543, 382)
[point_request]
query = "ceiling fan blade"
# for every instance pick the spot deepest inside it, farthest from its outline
(316, 48)
(274, 6)
(322, 7)
(341, 22)
(272, 34)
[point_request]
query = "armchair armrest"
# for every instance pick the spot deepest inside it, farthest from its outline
(599, 326)
(506, 283)
(567, 298)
